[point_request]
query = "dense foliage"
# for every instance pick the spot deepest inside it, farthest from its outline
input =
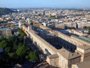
(5, 11)
(15, 51)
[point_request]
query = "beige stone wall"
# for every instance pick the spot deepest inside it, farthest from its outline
(77, 33)
(63, 63)
(59, 61)
(86, 56)
(6, 33)
(53, 60)
(74, 66)
(39, 41)
(74, 61)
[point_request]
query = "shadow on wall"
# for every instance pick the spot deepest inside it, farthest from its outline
(44, 65)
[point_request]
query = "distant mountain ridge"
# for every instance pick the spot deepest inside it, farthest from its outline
(4, 11)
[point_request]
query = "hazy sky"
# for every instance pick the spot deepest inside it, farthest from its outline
(45, 3)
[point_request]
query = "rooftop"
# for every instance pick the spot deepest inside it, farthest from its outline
(68, 55)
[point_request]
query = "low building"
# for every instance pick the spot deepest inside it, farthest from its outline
(5, 32)
(66, 58)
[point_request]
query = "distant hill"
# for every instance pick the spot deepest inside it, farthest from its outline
(4, 11)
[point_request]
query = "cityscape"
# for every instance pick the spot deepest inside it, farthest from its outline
(44, 34)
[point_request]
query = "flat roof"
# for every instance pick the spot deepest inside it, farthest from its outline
(67, 54)
(86, 39)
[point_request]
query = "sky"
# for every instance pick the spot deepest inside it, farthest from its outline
(45, 3)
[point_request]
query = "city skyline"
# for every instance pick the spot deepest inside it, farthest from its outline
(45, 3)
(44, 34)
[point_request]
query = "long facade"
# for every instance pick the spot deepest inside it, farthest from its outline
(61, 58)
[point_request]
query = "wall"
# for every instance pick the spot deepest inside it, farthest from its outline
(40, 42)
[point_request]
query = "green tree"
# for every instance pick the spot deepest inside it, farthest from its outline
(11, 55)
(32, 56)
(22, 34)
(7, 49)
(5, 11)
(3, 44)
(21, 50)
